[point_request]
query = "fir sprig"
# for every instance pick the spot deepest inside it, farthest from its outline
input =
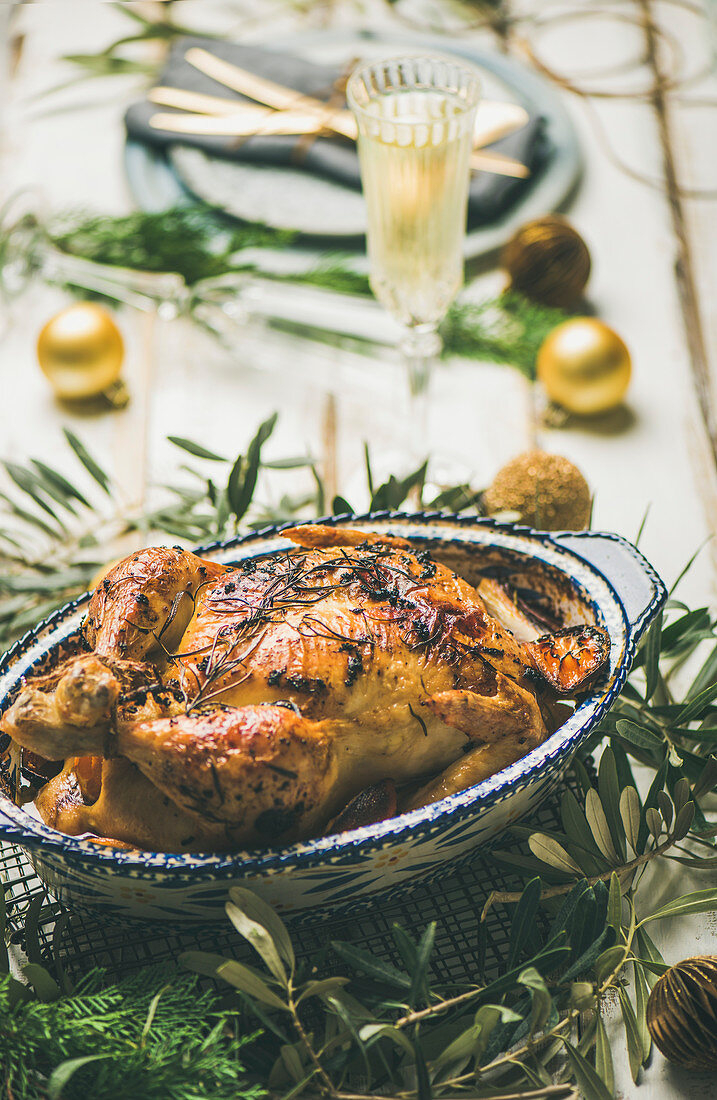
(154, 1035)
(196, 242)
(209, 251)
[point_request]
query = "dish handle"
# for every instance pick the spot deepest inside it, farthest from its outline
(639, 588)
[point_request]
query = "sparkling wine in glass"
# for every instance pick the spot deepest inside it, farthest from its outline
(415, 118)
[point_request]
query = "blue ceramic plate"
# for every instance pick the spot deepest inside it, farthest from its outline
(586, 578)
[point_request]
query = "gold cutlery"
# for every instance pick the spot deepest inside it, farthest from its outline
(240, 124)
(493, 120)
(496, 120)
(294, 122)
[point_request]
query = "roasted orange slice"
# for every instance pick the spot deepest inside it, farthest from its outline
(570, 658)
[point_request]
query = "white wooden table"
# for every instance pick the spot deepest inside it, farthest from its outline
(655, 267)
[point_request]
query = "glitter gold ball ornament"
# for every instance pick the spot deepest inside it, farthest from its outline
(81, 351)
(547, 491)
(584, 366)
(548, 261)
(682, 1013)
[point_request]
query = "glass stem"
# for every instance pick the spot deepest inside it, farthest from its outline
(420, 347)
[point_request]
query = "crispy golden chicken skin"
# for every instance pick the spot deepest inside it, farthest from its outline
(240, 706)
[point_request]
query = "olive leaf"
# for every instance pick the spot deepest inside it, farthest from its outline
(241, 976)
(369, 964)
(419, 980)
(523, 923)
(630, 814)
(599, 827)
(639, 736)
(541, 999)
(195, 449)
(609, 791)
(591, 1085)
(577, 828)
(614, 905)
(93, 468)
(699, 901)
(549, 851)
(260, 939)
(603, 1056)
(256, 915)
(248, 981)
(46, 988)
(632, 1034)
(642, 994)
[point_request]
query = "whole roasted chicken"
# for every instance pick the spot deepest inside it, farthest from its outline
(222, 707)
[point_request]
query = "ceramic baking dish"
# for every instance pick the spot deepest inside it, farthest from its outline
(585, 577)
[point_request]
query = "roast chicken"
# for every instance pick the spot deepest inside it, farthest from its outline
(223, 707)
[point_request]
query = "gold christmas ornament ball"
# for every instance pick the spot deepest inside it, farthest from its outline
(584, 366)
(81, 351)
(547, 491)
(682, 1013)
(548, 261)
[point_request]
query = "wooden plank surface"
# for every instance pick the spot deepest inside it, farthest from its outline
(655, 453)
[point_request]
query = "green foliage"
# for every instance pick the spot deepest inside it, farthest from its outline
(58, 536)
(111, 61)
(669, 729)
(200, 243)
(385, 1029)
(153, 1035)
(193, 241)
(508, 329)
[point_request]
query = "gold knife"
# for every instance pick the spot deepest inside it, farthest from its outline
(294, 122)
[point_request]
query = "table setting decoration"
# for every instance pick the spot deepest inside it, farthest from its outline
(81, 352)
(241, 174)
(88, 255)
(584, 366)
(548, 261)
(682, 1013)
(188, 261)
(544, 490)
(394, 775)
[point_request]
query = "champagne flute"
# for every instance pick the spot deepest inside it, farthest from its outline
(415, 119)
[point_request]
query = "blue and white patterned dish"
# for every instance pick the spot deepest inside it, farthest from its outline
(587, 577)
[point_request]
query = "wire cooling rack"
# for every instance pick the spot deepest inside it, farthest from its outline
(82, 940)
